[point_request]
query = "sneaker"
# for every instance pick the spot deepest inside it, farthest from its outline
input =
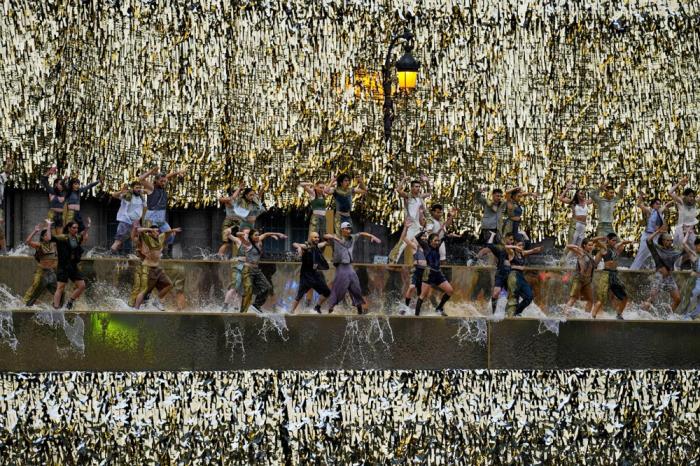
(441, 312)
(404, 309)
(317, 308)
(155, 302)
(254, 309)
(619, 317)
(69, 304)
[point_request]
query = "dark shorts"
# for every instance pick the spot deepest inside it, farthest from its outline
(56, 218)
(417, 277)
(501, 279)
(435, 278)
(69, 273)
(314, 282)
(123, 231)
(157, 279)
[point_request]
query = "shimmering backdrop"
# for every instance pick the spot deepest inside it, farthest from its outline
(510, 93)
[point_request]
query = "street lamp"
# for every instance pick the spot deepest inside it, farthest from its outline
(407, 71)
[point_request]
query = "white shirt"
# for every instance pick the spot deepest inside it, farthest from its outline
(580, 210)
(687, 215)
(131, 209)
(435, 227)
(413, 205)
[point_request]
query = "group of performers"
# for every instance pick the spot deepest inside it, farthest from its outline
(142, 218)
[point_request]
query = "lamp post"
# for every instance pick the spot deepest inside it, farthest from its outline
(407, 70)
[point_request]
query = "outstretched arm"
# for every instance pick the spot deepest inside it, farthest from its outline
(536, 250)
(399, 189)
(370, 236)
(576, 249)
(30, 239)
(646, 210)
(121, 192)
(428, 187)
(273, 235)
(673, 190)
(331, 237)
(361, 188)
(309, 188)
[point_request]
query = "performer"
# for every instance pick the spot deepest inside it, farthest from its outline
(582, 282)
(346, 279)
(665, 257)
(254, 281)
(69, 250)
(152, 274)
(342, 194)
(414, 217)
(437, 226)
(312, 263)
(687, 207)
(520, 293)
(493, 210)
(139, 280)
(608, 282)
(317, 205)
(232, 220)
(131, 209)
(420, 266)
(3, 179)
(235, 288)
(579, 217)
(605, 206)
(157, 202)
(513, 215)
(654, 219)
(57, 199)
(71, 211)
(503, 254)
(45, 255)
(436, 279)
(695, 293)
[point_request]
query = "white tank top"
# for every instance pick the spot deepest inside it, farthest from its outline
(687, 215)
(580, 210)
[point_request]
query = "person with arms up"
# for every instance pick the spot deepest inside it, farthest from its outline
(605, 206)
(342, 194)
(45, 255)
(414, 215)
(152, 274)
(665, 257)
(520, 293)
(4, 175)
(69, 250)
(491, 218)
(608, 283)
(654, 215)
(312, 264)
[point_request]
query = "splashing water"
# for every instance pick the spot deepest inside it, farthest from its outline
(97, 252)
(7, 331)
(275, 322)
(234, 339)
(471, 331)
(73, 326)
(21, 250)
(365, 338)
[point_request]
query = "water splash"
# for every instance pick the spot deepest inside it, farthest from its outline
(365, 338)
(74, 328)
(471, 331)
(97, 252)
(21, 250)
(7, 331)
(234, 339)
(274, 322)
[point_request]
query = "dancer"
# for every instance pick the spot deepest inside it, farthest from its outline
(230, 221)
(503, 253)
(152, 274)
(654, 216)
(608, 283)
(605, 206)
(437, 226)
(312, 263)
(346, 279)
(420, 266)
(317, 205)
(665, 257)
(493, 210)
(237, 264)
(695, 293)
(69, 250)
(139, 280)
(342, 194)
(579, 217)
(57, 199)
(4, 175)
(131, 209)
(414, 216)
(436, 279)
(157, 201)
(254, 281)
(586, 263)
(243, 209)
(687, 207)
(520, 293)
(71, 211)
(513, 214)
(45, 255)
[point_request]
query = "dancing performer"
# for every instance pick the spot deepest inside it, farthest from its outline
(695, 293)
(605, 206)
(57, 199)
(420, 266)
(436, 279)
(312, 263)
(4, 175)
(493, 209)
(242, 209)
(342, 194)
(513, 214)
(520, 293)
(346, 279)
(317, 205)
(131, 209)
(232, 220)
(586, 263)
(503, 253)
(45, 255)
(255, 283)
(139, 281)
(157, 201)
(237, 264)
(654, 219)
(608, 283)
(152, 274)
(71, 211)
(687, 207)
(436, 225)
(69, 251)
(579, 217)
(414, 216)
(665, 257)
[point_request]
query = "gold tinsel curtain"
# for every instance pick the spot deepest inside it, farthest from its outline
(273, 92)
